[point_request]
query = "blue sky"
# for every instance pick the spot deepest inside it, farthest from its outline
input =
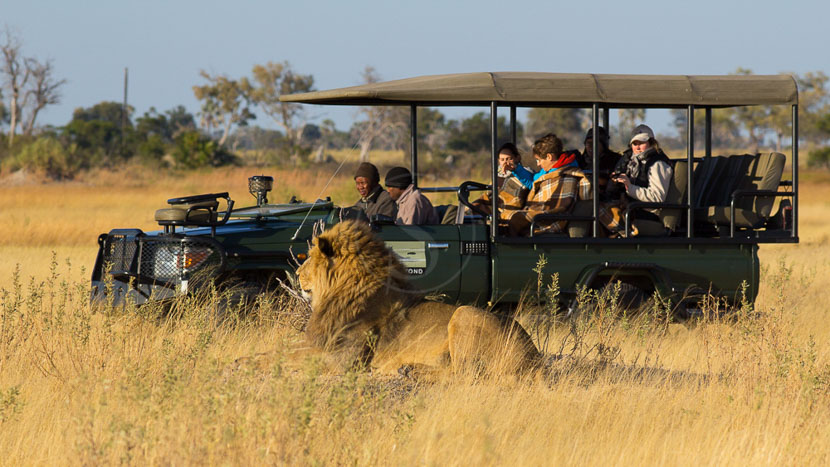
(166, 43)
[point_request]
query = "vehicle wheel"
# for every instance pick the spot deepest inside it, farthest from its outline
(630, 297)
(238, 301)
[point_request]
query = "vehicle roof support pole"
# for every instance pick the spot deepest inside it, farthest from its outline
(494, 197)
(606, 118)
(708, 131)
(595, 167)
(413, 144)
(513, 134)
(795, 171)
(690, 155)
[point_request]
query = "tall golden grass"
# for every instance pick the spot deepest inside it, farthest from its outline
(86, 385)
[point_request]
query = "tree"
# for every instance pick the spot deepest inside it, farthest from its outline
(327, 132)
(44, 90)
(156, 132)
(17, 75)
(377, 118)
(754, 119)
(473, 134)
(813, 106)
(97, 130)
(273, 80)
(433, 133)
(725, 131)
(225, 103)
(565, 123)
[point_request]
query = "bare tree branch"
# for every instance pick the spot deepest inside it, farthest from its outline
(17, 74)
(44, 90)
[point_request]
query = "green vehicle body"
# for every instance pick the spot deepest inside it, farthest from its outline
(457, 262)
(470, 261)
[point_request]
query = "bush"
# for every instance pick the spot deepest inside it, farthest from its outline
(151, 150)
(819, 157)
(48, 156)
(193, 149)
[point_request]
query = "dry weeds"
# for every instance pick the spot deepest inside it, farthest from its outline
(85, 385)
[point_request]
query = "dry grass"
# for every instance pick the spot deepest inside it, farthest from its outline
(81, 386)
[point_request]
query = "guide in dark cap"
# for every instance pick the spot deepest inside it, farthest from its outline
(373, 198)
(607, 160)
(413, 207)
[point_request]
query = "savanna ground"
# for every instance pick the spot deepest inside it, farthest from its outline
(79, 385)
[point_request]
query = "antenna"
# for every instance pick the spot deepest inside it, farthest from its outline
(124, 113)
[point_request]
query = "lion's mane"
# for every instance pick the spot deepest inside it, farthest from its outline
(365, 311)
(354, 277)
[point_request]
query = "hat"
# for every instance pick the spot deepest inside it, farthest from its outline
(641, 133)
(398, 177)
(601, 132)
(369, 171)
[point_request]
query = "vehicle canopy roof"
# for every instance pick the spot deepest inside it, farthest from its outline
(565, 89)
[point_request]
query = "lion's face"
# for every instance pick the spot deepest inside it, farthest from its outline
(314, 266)
(348, 263)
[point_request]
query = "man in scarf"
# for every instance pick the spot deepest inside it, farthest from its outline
(555, 189)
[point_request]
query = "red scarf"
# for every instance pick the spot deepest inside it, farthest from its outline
(566, 158)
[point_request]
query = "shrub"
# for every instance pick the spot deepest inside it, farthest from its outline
(193, 149)
(819, 157)
(47, 155)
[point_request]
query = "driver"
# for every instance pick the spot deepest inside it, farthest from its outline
(373, 198)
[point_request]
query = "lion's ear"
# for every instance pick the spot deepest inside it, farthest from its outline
(325, 246)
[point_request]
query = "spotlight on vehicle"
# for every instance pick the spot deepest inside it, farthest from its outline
(259, 186)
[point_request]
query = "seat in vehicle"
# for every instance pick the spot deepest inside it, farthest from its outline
(198, 213)
(758, 172)
(669, 218)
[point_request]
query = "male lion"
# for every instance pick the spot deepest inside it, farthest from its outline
(364, 311)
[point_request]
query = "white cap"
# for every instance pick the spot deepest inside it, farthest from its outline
(641, 133)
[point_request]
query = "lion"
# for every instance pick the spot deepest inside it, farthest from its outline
(365, 312)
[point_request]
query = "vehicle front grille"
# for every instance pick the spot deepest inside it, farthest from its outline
(172, 260)
(120, 252)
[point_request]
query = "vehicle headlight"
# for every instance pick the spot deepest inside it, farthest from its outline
(165, 261)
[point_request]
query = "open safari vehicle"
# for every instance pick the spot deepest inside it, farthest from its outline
(718, 211)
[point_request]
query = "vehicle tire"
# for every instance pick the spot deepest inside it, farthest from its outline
(238, 301)
(630, 298)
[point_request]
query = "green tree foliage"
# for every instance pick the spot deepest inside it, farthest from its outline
(726, 132)
(473, 134)
(819, 158)
(155, 132)
(225, 103)
(97, 133)
(272, 80)
(378, 120)
(813, 106)
(48, 156)
(567, 124)
(192, 149)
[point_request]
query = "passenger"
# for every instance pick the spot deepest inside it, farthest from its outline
(555, 188)
(606, 161)
(413, 207)
(513, 180)
(373, 198)
(643, 174)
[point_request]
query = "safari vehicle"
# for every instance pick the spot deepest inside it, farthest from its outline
(719, 209)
